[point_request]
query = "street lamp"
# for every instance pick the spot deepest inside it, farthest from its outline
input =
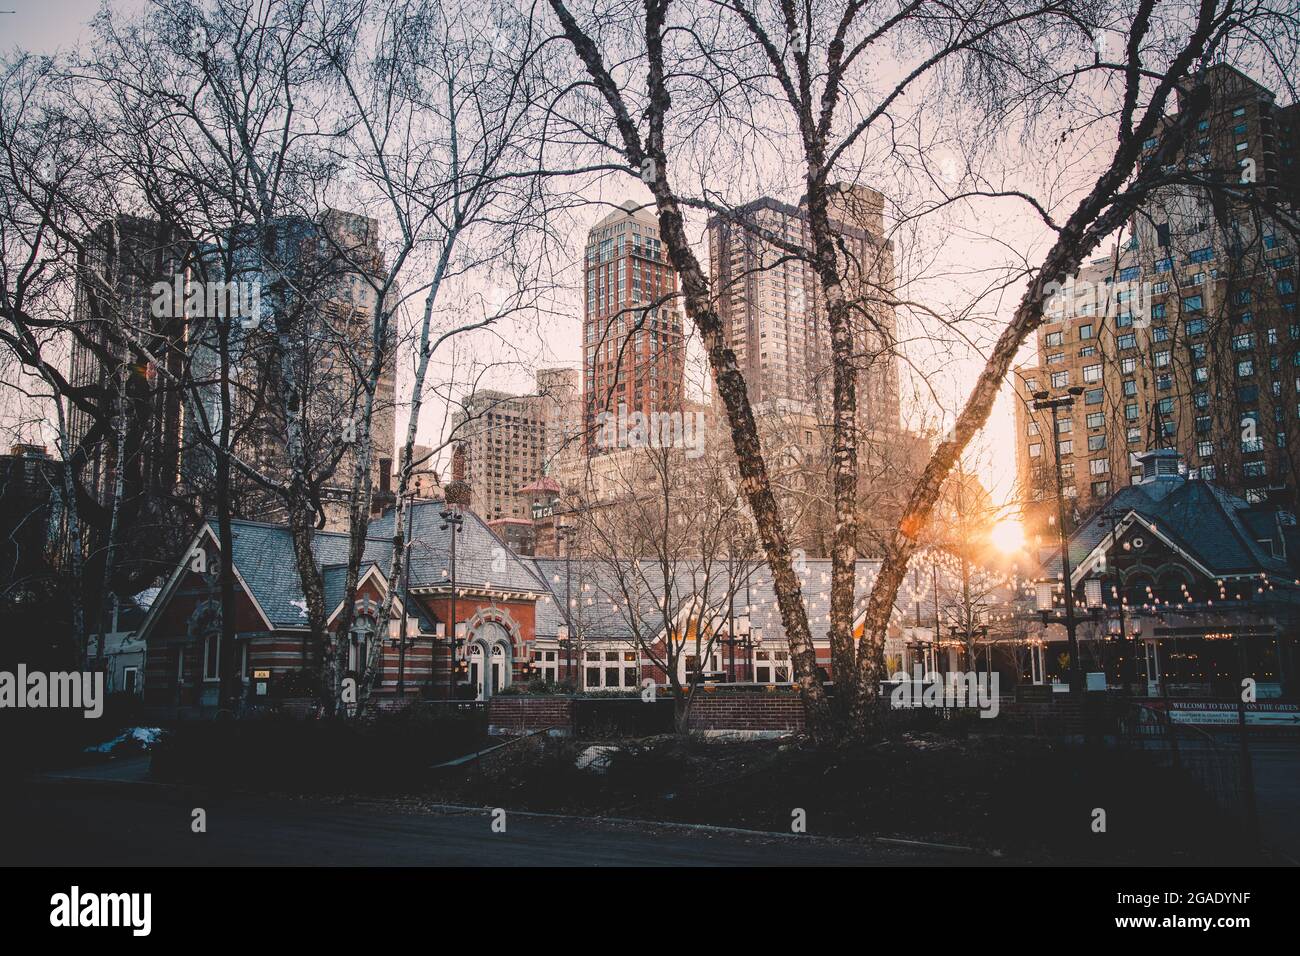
(406, 600)
(453, 519)
(1044, 401)
(1115, 516)
(566, 532)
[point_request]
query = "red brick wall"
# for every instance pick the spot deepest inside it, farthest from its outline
(768, 711)
(520, 714)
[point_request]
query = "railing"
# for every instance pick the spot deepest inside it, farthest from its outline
(1217, 765)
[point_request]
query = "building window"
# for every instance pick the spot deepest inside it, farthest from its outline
(1096, 419)
(1092, 373)
(546, 665)
(1066, 447)
(1205, 449)
(1060, 379)
(1099, 466)
(772, 667)
(1254, 469)
(1096, 442)
(212, 656)
(1100, 489)
(612, 669)
(1093, 396)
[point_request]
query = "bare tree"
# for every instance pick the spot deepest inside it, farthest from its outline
(816, 60)
(672, 551)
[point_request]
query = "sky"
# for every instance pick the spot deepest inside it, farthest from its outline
(44, 26)
(50, 25)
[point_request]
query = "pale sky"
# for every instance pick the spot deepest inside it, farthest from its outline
(50, 25)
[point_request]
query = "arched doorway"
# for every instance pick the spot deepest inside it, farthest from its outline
(491, 660)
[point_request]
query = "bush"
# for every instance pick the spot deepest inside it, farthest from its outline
(278, 752)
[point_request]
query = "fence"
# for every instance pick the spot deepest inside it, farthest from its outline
(1221, 767)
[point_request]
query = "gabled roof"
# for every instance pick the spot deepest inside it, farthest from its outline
(1212, 527)
(263, 555)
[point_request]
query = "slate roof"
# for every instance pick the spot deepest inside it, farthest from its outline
(1218, 529)
(263, 556)
(599, 618)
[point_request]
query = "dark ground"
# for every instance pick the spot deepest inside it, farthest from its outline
(70, 823)
(1028, 799)
(1012, 800)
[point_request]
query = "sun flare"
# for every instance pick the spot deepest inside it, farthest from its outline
(1008, 535)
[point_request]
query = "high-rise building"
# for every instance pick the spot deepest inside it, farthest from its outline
(559, 391)
(333, 265)
(510, 440)
(1185, 336)
(633, 349)
(122, 261)
(775, 321)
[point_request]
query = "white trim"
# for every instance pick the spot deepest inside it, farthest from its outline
(383, 586)
(1094, 556)
(168, 589)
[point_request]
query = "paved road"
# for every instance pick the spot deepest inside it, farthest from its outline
(82, 823)
(1276, 765)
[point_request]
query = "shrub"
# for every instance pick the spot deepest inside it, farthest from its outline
(278, 752)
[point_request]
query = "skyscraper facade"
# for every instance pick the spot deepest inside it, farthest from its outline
(633, 347)
(1185, 335)
(775, 320)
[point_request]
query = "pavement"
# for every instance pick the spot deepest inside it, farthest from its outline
(104, 817)
(1276, 766)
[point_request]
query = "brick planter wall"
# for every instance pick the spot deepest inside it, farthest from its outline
(516, 715)
(747, 712)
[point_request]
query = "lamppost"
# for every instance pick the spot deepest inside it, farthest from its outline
(1115, 516)
(1044, 401)
(453, 519)
(566, 532)
(406, 602)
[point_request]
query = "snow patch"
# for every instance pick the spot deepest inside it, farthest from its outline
(133, 739)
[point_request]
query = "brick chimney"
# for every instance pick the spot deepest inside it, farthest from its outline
(458, 490)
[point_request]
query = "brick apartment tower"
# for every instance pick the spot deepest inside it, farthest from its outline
(633, 350)
(774, 319)
(1199, 347)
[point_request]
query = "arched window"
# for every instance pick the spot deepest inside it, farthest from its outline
(1170, 588)
(1138, 587)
